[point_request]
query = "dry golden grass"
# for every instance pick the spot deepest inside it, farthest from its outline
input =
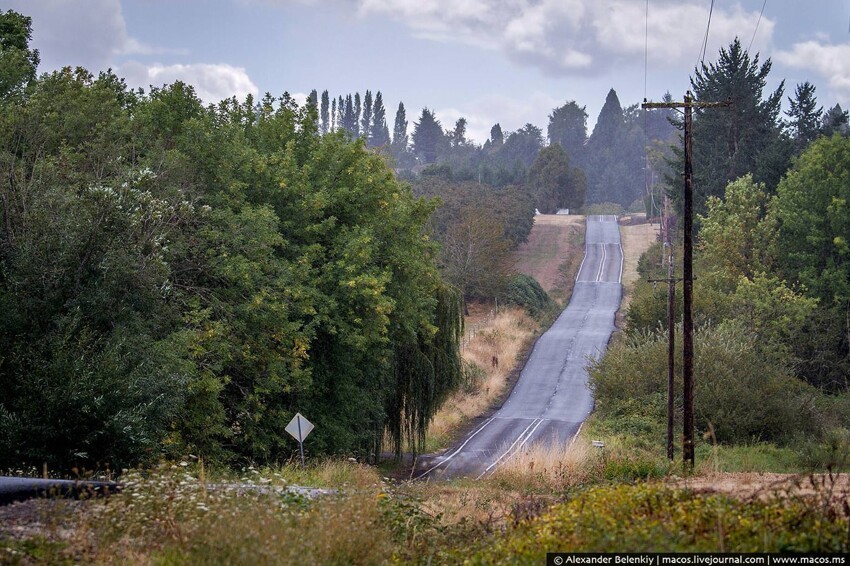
(554, 467)
(551, 243)
(636, 239)
(501, 341)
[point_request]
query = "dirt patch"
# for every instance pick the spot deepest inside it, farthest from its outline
(834, 489)
(552, 243)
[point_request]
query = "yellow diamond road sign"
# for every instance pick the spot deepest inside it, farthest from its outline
(299, 427)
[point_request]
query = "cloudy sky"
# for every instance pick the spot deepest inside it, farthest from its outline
(507, 61)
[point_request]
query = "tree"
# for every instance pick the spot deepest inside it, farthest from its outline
(327, 125)
(379, 136)
(497, 138)
(835, 121)
(522, 146)
(476, 257)
(333, 116)
(356, 118)
(604, 165)
(366, 120)
(400, 139)
(18, 63)
(427, 135)
(812, 211)
(555, 184)
(805, 115)
(568, 127)
(744, 138)
(348, 119)
(458, 135)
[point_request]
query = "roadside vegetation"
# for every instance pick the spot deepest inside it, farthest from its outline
(177, 280)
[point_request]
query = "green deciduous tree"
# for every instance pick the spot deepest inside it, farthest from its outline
(568, 127)
(555, 184)
(18, 63)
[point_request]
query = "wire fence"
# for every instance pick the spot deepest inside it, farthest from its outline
(470, 332)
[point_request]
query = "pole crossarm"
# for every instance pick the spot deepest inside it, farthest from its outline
(691, 104)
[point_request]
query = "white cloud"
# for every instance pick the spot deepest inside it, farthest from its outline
(86, 33)
(830, 61)
(212, 82)
(568, 36)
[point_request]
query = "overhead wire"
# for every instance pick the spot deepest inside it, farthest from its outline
(705, 38)
(646, 172)
(757, 26)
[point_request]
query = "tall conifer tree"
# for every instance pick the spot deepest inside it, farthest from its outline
(379, 136)
(366, 119)
(355, 129)
(323, 112)
(400, 139)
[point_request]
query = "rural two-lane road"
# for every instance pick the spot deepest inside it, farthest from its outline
(551, 398)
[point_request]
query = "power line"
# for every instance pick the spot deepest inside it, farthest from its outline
(757, 26)
(705, 39)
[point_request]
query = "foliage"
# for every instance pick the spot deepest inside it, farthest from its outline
(177, 278)
(742, 392)
(805, 115)
(510, 206)
(18, 63)
(568, 128)
(555, 184)
(524, 291)
(475, 256)
(812, 216)
(652, 517)
(744, 138)
(427, 137)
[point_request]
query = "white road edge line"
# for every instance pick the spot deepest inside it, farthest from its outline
(622, 261)
(536, 421)
(601, 265)
(456, 452)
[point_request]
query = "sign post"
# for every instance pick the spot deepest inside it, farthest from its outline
(299, 427)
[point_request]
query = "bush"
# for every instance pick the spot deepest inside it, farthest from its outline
(524, 291)
(741, 393)
(605, 208)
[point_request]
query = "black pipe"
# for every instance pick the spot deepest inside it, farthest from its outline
(14, 489)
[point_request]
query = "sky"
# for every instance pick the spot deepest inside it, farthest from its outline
(505, 61)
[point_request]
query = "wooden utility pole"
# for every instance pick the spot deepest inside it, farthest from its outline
(671, 335)
(688, 275)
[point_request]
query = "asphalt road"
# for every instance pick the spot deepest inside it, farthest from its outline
(551, 399)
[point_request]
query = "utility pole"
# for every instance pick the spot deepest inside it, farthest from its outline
(688, 275)
(671, 329)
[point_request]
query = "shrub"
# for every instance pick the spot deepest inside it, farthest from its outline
(741, 392)
(524, 291)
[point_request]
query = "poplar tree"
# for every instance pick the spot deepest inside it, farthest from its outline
(379, 135)
(366, 120)
(355, 121)
(400, 138)
(323, 112)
